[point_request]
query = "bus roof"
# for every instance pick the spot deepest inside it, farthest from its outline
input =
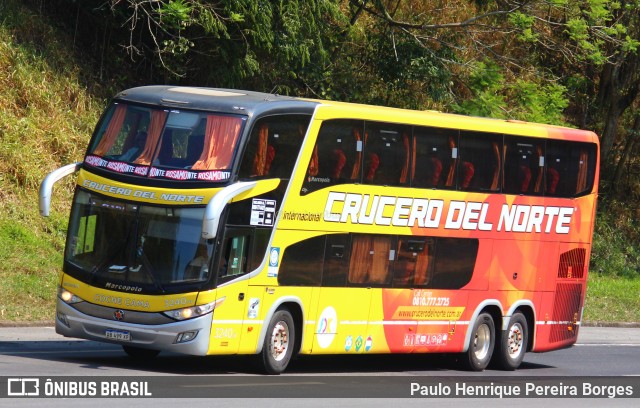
(215, 99)
(336, 110)
(255, 103)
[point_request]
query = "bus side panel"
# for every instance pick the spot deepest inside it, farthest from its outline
(421, 320)
(341, 323)
(563, 300)
(253, 319)
(227, 322)
(309, 325)
(515, 265)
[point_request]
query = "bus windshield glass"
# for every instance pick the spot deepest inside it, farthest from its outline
(114, 243)
(165, 144)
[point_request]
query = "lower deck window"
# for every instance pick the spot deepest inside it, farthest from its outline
(342, 260)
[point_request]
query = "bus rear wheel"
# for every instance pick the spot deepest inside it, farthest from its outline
(482, 343)
(513, 343)
(278, 343)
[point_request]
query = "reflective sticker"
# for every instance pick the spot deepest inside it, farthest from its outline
(274, 258)
(348, 344)
(368, 344)
(254, 308)
(358, 343)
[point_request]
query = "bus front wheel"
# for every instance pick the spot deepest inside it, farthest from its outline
(513, 343)
(482, 343)
(278, 343)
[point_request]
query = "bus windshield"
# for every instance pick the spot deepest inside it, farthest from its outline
(165, 144)
(144, 247)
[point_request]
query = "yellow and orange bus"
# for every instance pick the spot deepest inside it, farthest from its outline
(211, 221)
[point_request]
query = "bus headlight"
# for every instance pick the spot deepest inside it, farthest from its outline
(194, 311)
(68, 297)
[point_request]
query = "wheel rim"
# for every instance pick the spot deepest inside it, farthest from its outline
(279, 340)
(515, 340)
(482, 342)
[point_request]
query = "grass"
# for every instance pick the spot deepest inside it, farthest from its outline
(612, 299)
(47, 112)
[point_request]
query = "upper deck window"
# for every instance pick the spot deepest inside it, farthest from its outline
(273, 146)
(170, 144)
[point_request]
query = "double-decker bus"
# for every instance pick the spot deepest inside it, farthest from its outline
(211, 221)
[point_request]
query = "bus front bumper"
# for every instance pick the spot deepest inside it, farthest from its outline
(165, 337)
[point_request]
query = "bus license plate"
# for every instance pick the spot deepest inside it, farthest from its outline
(120, 335)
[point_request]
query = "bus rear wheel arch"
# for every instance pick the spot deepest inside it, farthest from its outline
(279, 342)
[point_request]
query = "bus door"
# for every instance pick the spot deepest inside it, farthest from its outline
(232, 265)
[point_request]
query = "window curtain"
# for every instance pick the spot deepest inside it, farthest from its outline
(496, 171)
(355, 172)
(260, 159)
(452, 166)
(156, 123)
(413, 160)
(313, 165)
(422, 268)
(370, 259)
(219, 142)
(360, 262)
(581, 184)
(380, 258)
(405, 168)
(111, 134)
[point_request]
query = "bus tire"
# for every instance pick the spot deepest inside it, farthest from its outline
(513, 343)
(278, 342)
(140, 353)
(483, 338)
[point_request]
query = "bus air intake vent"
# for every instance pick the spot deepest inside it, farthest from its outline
(566, 312)
(572, 264)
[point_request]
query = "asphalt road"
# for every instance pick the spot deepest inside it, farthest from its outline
(37, 352)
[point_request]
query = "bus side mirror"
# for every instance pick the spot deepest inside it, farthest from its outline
(216, 205)
(46, 188)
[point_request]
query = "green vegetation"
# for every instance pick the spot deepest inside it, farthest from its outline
(46, 116)
(612, 299)
(55, 78)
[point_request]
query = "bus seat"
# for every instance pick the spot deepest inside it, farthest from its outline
(436, 167)
(553, 177)
(135, 148)
(524, 176)
(165, 155)
(340, 159)
(373, 164)
(194, 149)
(468, 170)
